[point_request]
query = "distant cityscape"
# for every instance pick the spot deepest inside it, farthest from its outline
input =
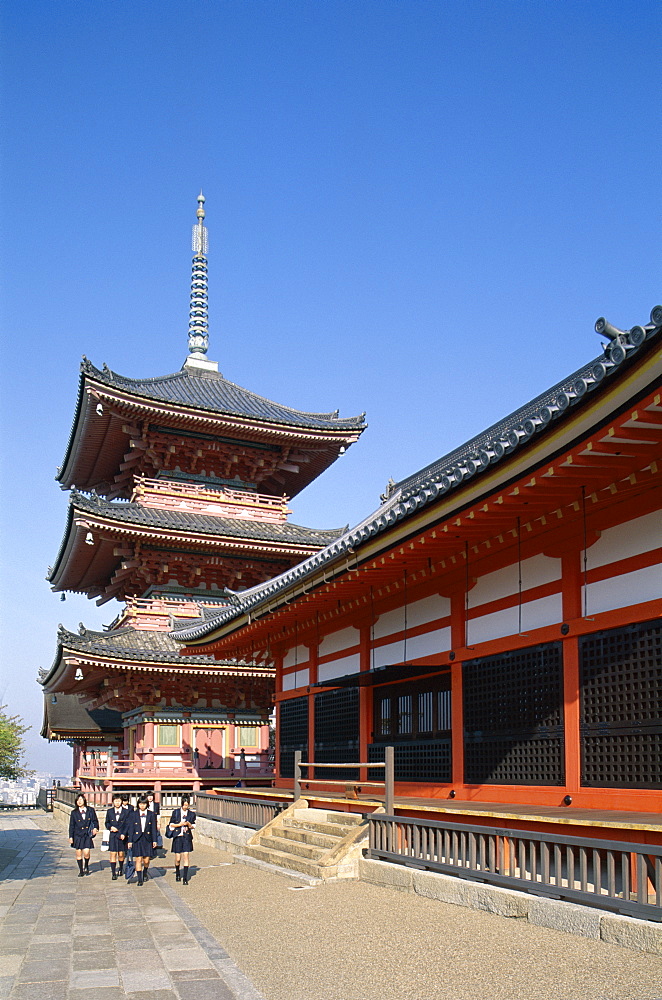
(23, 792)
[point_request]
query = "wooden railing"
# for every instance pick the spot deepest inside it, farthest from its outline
(45, 798)
(67, 796)
(240, 812)
(386, 785)
(613, 875)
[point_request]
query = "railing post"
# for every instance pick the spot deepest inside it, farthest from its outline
(389, 777)
(297, 775)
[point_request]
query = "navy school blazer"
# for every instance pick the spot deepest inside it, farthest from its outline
(177, 818)
(111, 821)
(79, 827)
(133, 829)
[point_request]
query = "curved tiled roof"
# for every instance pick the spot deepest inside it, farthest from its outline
(449, 472)
(204, 390)
(67, 715)
(205, 524)
(128, 643)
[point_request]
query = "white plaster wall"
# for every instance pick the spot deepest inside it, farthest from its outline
(629, 539)
(624, 590)
(383, 655)
(535, 614)
(298, 655)
(388, 623)
(429, 643)
(536, 571)
(338, 668)
(295, 679)
(335, 642)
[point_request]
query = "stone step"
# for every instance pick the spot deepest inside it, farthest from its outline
(265, 866)
(287, 861)
(308, 837)
(344, 818)
(285, 846)
(330, 829)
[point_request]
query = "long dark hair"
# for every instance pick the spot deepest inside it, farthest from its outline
(186, 799)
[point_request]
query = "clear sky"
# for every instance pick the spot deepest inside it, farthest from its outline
(415, 208)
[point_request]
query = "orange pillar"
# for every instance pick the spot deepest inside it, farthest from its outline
(458, 641)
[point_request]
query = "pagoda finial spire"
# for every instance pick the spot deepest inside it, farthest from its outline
(198, 327)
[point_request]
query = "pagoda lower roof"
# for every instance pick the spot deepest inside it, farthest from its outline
(66, 718)
(133, 649)
(108, 520)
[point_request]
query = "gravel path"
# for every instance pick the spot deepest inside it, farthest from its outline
(355, 941)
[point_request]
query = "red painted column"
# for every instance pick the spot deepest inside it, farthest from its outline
(458, 640)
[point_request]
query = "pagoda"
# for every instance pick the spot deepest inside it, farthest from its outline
(179, 500)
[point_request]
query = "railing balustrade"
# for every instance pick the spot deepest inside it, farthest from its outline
(613, 875)
(386, 785)
(240, 812)
(45, 798)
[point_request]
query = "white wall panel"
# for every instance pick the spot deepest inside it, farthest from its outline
(340, 667)
(295, 679)
(388, 623)
(383, 655)
(622, 591)
(337, 641)
(536, 571)
(535, 614)
(428, 644)
(544, 611)
(298, 655)
(629, 539)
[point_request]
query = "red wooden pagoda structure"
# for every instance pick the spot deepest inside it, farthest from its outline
(496, 620)
(179, 498)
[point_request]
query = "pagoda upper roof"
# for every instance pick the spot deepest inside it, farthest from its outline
(209, 390)
(87, 559)
(522, 433)
(195, 401)
(66, 718)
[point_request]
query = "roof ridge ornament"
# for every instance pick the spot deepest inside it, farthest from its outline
(198, 327)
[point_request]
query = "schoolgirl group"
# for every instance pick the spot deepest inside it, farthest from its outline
(132, 830)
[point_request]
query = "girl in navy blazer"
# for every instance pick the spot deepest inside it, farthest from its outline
(115, 818)
(83, 828)
(140, 832)
(181, 827)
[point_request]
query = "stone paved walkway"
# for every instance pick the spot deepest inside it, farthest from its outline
(65, 938)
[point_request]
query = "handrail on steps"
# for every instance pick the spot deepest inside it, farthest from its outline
(387, 784)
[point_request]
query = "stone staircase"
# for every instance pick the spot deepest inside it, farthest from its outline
(312, 845)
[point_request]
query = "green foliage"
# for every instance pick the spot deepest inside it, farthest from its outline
(12, 750)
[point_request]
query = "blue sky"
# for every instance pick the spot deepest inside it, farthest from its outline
(417, 209)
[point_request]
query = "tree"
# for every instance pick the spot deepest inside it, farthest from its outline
(12, 750)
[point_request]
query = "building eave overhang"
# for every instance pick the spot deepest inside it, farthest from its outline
(410, 511)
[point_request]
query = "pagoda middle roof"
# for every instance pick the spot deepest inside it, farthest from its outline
(209, 390)
(185, 527)
(127, 643)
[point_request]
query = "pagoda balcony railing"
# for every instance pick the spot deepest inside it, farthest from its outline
(137, 767)
(227, 502)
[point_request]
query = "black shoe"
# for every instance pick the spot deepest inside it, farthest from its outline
(87, 871)
(178, 877)
(184, 881)
(114, 876)
(146, 876)
(81, 874)
(121, 871)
